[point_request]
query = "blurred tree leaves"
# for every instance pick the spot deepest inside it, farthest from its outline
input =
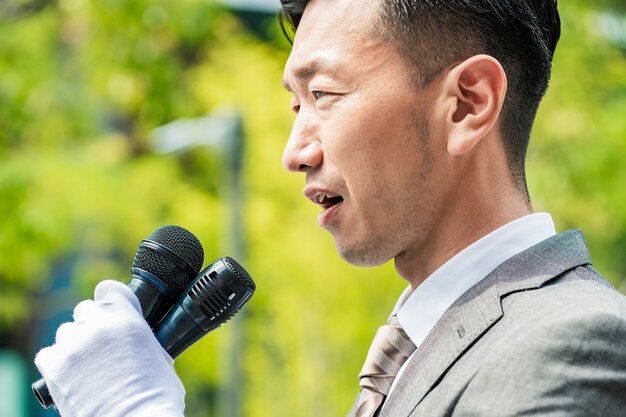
(84, 82)
(576, 161)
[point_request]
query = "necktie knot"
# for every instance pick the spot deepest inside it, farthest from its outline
(390, 348)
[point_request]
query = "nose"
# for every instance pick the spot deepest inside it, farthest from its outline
(303, 150)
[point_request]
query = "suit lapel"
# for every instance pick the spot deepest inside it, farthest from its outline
(476, 311)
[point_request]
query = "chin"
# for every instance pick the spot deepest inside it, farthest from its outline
(362, 255)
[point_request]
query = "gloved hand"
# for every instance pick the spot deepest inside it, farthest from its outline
(107, 362)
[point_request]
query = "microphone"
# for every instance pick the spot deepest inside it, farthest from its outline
(213, 298)
(164, 265)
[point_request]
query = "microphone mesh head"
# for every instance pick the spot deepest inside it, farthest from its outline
(239, 272)
(178, 240)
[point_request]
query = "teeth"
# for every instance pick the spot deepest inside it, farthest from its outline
(322, 198)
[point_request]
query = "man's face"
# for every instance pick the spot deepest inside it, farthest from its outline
(360, 134)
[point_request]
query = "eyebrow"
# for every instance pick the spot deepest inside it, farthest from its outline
(307, 71)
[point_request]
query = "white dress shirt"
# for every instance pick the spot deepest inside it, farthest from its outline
(419, 310)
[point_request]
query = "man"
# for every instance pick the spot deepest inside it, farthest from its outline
(413, 119)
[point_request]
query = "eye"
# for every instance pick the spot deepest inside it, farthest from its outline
(319, 94)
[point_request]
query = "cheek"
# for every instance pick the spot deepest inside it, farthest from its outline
(386, 147)
(390, 183)
(363, 132)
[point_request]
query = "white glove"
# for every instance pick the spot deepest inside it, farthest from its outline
(107, 362)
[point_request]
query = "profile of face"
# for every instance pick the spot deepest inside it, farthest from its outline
(361, 134)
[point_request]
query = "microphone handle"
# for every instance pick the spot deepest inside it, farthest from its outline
(155, 298)
(40, 389)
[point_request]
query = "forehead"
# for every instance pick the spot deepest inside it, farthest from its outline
(329, 16)
(331, 33)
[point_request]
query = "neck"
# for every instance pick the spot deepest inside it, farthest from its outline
(478, 202)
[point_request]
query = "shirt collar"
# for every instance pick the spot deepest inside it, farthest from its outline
(419, 310)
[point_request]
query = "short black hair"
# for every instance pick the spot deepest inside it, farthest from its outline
(431, 35)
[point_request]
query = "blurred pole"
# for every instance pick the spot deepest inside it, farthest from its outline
(222, 132)
(230, 401)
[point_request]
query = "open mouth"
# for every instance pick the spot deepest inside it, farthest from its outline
(327, 201)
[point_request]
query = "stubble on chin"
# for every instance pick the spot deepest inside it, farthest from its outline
(362, 255)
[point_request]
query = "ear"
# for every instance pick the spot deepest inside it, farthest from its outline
(476, 88)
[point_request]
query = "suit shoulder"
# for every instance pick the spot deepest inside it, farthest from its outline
(579, 294)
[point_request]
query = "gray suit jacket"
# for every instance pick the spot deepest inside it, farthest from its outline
(542, 335)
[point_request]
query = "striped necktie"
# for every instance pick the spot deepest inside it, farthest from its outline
(389, 350)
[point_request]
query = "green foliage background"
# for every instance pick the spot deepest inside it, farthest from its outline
(82, 85)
